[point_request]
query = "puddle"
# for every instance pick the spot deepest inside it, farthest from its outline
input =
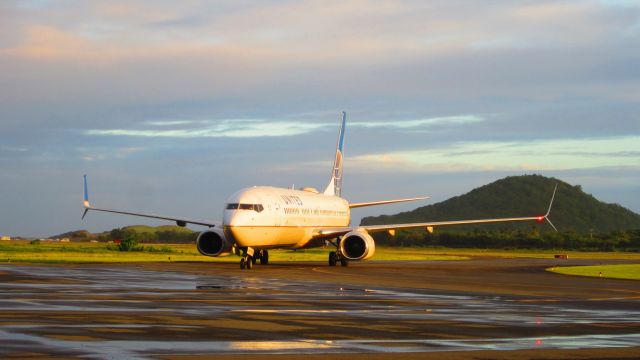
(147, 349)
(122, 292)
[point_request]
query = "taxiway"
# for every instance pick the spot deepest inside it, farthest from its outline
(482, 307)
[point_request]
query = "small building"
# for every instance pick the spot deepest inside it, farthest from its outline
(5, 238)
(64, 240)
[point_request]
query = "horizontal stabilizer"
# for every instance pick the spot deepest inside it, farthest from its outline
(383, 202)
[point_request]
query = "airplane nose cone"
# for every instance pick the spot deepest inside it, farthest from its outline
(229, 218)
(238, 218)
(235, 227)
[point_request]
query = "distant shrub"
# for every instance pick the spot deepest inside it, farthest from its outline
(128, 244)
(35, 242)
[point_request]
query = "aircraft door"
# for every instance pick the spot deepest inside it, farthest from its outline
(276, 209)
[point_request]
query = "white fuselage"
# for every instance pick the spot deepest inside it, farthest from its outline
(269, 217)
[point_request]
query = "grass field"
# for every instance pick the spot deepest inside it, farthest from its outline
(55, 252)
(536, 254)
(623, 271)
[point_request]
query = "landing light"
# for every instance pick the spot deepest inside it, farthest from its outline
(540, 218)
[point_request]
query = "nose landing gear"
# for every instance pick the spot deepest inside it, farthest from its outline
(246, 262)
(336, 256)
(250, 257)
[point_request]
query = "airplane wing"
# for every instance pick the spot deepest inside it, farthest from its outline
(179, 221)
(331, 232)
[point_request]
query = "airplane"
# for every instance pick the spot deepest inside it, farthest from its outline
(260, 218)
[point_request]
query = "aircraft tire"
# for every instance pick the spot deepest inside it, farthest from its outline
(242, 264)
(253, 260)
(264, 258)
(333, 259)
(250, 262)
(344, 261)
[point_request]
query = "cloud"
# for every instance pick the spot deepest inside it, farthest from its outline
(169, 122)
(421, 123)
(249, 128)
(318, 32)
(315, 52)
(555, 154)
(11, 149)
(46, 42)
(428, 85)
(231, 129)
(99, 154)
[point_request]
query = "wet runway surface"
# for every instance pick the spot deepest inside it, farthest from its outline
(161, 310)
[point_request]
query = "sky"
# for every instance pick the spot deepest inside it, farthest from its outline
(170, 107)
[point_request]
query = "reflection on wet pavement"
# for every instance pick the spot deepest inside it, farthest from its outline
(103, 312)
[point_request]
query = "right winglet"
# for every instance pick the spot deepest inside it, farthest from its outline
(427, 225)
(546, 216)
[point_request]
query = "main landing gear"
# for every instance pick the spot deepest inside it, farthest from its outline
(336, 256)
(250, 257)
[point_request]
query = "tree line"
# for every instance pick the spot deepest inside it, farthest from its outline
(620, 240)
(146, 237)
(627, 240)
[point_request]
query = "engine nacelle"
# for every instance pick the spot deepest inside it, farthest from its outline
(213, 243)
(357, 245)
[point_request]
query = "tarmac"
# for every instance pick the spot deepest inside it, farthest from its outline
(477, 309)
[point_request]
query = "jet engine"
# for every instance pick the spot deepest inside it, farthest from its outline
(357, 245)
(213, 243)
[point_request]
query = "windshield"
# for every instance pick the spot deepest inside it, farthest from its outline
(254, 207)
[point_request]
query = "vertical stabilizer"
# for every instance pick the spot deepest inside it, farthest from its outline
(335, 185)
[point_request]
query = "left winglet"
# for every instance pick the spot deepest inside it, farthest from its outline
(178, 221)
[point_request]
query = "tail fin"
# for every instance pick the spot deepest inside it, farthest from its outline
(335, 185)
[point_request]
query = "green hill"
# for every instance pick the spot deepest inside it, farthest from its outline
(527, 195)
(78, 235)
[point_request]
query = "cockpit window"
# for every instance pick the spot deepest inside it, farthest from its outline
(245, 206)
(254, 207)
